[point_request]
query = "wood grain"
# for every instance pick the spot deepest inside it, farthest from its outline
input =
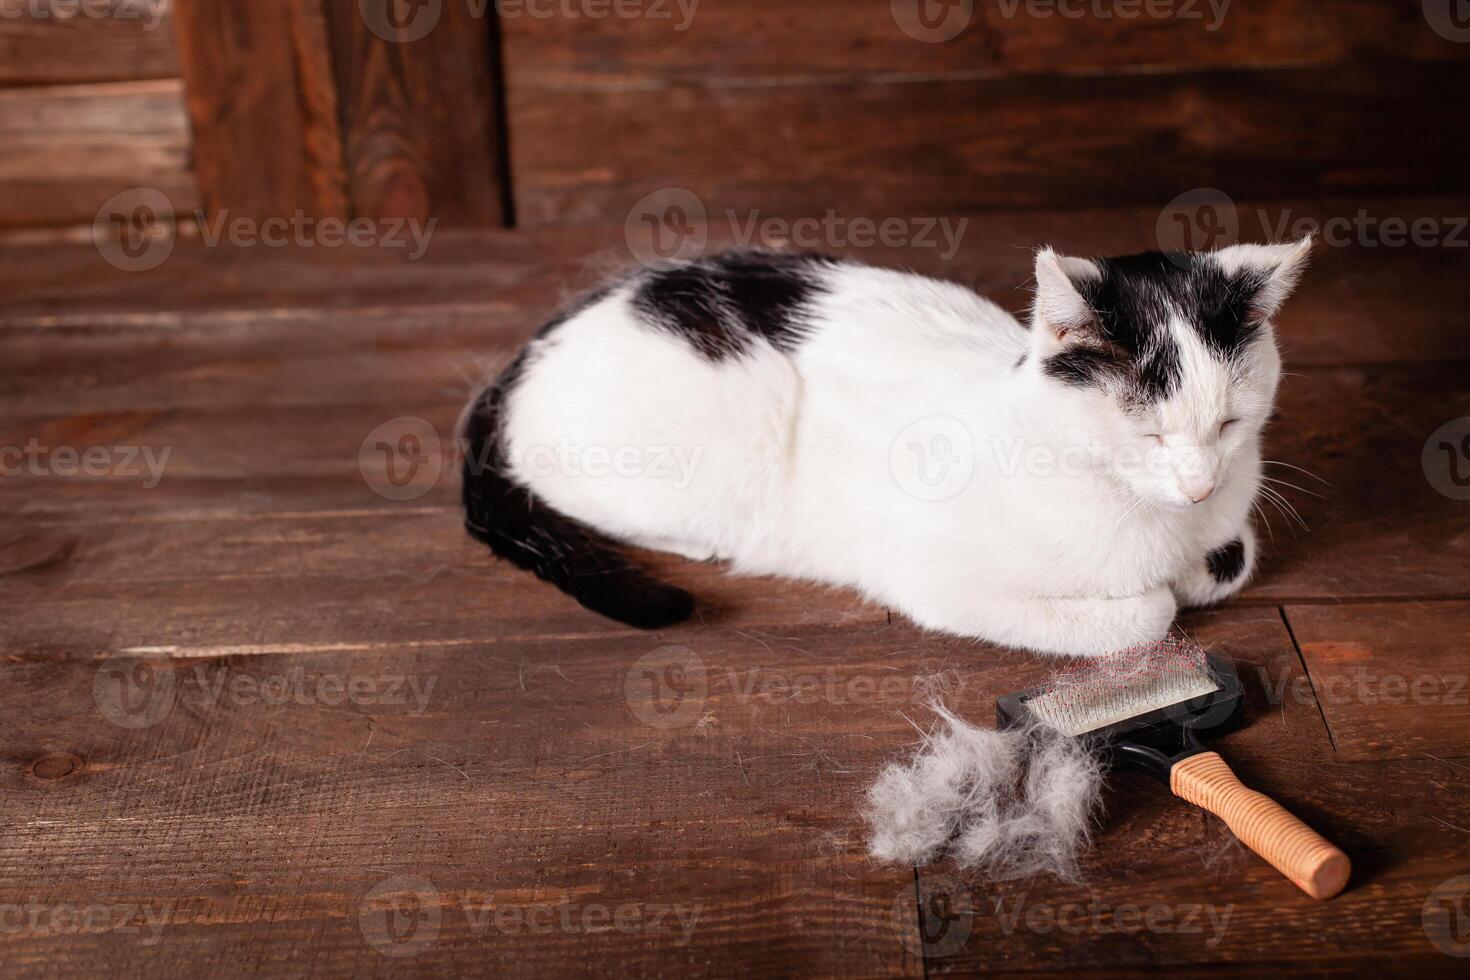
(1213, 901)
(70, 148)
(364, 579)
(113, 41)
(529, 760)
(1369, 503)
(557, 774)
(1309, 860)
(785, 43)
(281, 360)
(1361, 430)
(923, 148)
(259, 74)
(1392, 679)
(420, 119)
(1351, 308)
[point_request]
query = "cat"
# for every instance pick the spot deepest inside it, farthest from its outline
(1061, 488)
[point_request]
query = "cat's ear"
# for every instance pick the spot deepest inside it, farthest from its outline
(1062, 284)
(1271, 271)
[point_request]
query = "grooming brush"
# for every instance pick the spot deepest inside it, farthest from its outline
(1149, 709)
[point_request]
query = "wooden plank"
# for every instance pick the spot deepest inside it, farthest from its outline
(212, 287)
(259, 74)
(365, 579)
(922, 148)
(1212, 902)
(1363, 431)
(1352, 306)
(70, 148)
(545, 775)
(420, 120)
(288, 358)
(188, 463)
(1360, 429)
(775, 42)
(104, 41)
(567, 778)
(1392, 679)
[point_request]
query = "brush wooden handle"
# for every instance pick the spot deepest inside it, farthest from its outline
(1262, 824)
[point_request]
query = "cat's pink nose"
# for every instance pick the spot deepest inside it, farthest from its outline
(1197, 492)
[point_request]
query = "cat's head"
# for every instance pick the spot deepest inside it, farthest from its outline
(1165, 364)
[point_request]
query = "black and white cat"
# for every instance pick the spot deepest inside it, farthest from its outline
(1061, 489)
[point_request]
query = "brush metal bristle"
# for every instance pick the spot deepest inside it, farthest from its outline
(1116, 688)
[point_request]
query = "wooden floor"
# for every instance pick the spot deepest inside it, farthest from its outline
(260, 717)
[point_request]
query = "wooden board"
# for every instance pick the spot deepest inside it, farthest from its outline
(1168, 887)
(354, 579)
(1359, 429)
(527, 778)
(421, 124)
(108, 41)
(70, 148)
(260, 75)
(1352, 306)
(1376, 527)
(732, 790)
(506, 753)
(1393, 680)
(932, 146)
(772, 42)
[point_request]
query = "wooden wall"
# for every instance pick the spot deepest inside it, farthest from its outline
(299, 104)
(786, 107)
(795, 107)
(89, 106)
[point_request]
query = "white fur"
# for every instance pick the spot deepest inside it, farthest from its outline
(791, 453)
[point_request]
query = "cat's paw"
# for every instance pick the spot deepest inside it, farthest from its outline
(1103, 626)
(1219, 574)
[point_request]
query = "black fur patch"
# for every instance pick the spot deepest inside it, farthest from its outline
(719, 305)
(1134, 300)
(1227, 562)
(525, 530)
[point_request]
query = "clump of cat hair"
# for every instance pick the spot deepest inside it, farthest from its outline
(1012, 803)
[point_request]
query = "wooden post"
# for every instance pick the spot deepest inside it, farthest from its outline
(320, 106)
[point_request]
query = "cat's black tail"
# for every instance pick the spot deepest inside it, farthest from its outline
(524, 529)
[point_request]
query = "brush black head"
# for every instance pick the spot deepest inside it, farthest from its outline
(1150, 709)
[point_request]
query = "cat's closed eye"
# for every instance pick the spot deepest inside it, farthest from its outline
(1228, 424)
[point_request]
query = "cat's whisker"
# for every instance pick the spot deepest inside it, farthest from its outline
(1280, 496)
(1285, 506)
(1283, 513)
(1293, 466)
(1270, 533)
(1286, 483)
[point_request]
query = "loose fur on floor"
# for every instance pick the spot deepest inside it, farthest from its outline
(1010, 803)
(1062, 487)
